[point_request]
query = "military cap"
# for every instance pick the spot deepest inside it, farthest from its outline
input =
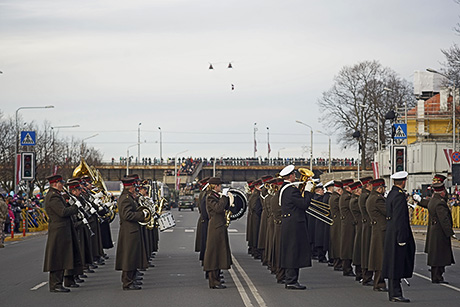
(400, 175)
(439, 178)
(347, 182)
(55, 178)
(366, 180)
(319, 186)
(355, 185)
(73, 184)
(128, 181)
(204, 180)
(287, 170)
(378, 182)
(215, 180)
(338, 184)
(329, 183)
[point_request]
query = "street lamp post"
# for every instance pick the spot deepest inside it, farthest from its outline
(161, 147)
(454, 128)
(139, 143)
(311, 142)
(175, 168)
(127, 157)
(329, 136)
(60, 127)
(268, 145)
(255, 141)
(279, 151)
(214, 165)
(16, 175)
(82, 142)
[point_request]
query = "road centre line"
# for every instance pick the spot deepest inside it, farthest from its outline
(254, 290)
(429, 279)
(38, 286)
(239, 286)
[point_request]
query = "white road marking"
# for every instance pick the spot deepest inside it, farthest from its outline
(232, 230)
(239, 286)
(168, 230)
(429, 279)
(254, 291)
(189, 230)
(15, 242)
(39, 286)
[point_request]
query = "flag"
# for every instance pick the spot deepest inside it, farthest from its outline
(255, 145)
(269, 149)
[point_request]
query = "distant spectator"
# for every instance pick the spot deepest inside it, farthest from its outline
(3, 217)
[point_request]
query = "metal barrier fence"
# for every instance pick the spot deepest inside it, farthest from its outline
(37, 220)
(419, 216)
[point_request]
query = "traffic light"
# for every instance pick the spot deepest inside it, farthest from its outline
(28, 166)
(399, 159)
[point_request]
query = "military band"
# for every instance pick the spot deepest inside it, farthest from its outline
(359, 227)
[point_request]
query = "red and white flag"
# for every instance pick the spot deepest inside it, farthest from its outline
(375, 169)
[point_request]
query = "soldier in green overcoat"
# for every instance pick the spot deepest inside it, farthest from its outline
(440, 246)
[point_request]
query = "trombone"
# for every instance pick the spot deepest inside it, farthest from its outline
(320, 211)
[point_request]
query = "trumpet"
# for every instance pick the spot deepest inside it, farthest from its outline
(306, 175)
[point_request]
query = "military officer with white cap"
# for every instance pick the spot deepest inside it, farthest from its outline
(399, 247)
(295, 248)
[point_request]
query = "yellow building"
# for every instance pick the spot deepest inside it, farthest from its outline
(431, 120)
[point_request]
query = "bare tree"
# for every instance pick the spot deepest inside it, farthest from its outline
(52, 154)
(359, 99)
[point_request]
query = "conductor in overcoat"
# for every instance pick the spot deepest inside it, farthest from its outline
(399, 247)
(440, 247)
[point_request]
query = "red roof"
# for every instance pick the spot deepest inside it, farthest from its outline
(433, 107)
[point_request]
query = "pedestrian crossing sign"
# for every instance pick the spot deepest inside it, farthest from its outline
(28, 138)
(400, 131)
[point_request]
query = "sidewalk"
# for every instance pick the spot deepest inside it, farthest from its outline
(18, 236)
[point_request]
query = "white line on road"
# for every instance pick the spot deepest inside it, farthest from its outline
(232, 230)
(429, 279)
(39, 286)
(239, 286)
(189, 230)
(254, 291)
(168, 230)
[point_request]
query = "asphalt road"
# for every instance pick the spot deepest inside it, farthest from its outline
(178, 280)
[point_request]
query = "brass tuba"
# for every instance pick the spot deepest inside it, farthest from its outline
(305, 176)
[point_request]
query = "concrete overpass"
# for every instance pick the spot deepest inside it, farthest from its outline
(228, 173)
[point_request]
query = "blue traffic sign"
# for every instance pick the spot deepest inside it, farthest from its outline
(28, 138)
(400, 131)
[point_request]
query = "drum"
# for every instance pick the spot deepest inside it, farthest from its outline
(166, 221)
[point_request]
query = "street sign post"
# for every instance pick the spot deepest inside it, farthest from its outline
(28, 138)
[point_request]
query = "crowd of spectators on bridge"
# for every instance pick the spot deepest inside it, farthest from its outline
(188, 165)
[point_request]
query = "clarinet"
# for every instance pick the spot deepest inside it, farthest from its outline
(82, 214)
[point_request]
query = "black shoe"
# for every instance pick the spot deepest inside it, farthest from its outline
(441, 282)
(323, 261)
(330, 264)
(83, 276)
(368, 283)
(139, 278)
(222, 281)
(399, 299)
(139, 273)
(281, 281)
(89, 271)
(132, 287)
(93, 266)
(295, 286)
(338, 269)
(380, 289)
(219, 287)
(151, 265)
(60, 289)
(106, 256)
(72, 286)
(138, 283)
(79, 280)
(101, 261)
(349, 274)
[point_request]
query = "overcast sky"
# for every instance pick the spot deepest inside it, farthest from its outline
(109, 65)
